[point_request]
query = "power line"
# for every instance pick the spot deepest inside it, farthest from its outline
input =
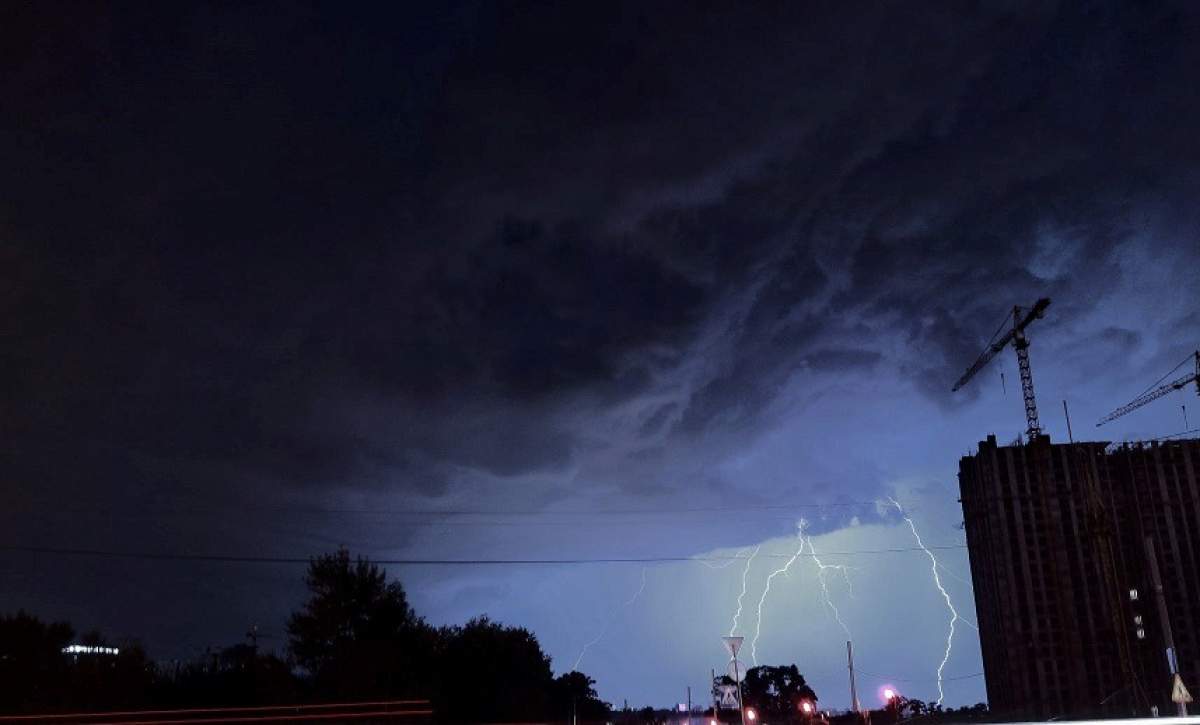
(414, 524)
(249, 559)
(660, 511)
(921, 679)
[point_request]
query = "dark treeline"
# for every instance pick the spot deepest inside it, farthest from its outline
(356, 637)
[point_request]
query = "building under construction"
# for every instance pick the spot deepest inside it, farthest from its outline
(1068, 543)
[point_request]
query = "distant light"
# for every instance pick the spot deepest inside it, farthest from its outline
(1141, 634)
(1137, 619)
(682, 707)
(807, 707)
(1133, 595)
(81, 649)
(713, 722)
(889, 693)
(751, 715)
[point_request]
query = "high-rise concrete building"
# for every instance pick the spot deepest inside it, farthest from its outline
(1061, 538)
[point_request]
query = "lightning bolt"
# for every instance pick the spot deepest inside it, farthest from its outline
(950, 572)
(727, 563)
(603, 631)
(849, 583)
(821, 569)
(947, 570)
(767, 590)
(745, 573)
(937, 581)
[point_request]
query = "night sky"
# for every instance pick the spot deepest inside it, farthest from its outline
(553, 281)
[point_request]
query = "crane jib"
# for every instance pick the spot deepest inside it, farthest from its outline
(1021, 318)
(1153, 395)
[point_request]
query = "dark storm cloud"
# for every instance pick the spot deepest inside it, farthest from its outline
(842, 360)
(545, 239)
(943, 227)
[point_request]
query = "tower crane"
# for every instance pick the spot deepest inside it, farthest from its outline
(1156, 393)
(1021, 318)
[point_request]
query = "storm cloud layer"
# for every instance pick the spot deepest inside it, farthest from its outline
(278, 278)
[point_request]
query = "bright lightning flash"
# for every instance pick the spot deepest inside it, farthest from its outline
(950, 572)
(937, 581)
(628, 603)
(745, 574)
(767, 590)
(821, 569)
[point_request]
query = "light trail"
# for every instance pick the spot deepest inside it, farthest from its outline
(611, 618)
(821, 568)
(767, 590)
(745, 574)
(292, 709)
(937, 581)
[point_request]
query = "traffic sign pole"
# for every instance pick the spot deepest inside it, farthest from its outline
(733, 644)
(741, 702)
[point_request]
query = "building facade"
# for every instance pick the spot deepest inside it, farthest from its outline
(1061, 539)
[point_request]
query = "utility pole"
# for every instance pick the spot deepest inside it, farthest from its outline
(1168, 639)
(689, 705)
(853, 690)
(1070, 435)
(716, 701)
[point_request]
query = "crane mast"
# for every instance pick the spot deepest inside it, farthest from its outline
(1151, 395)
(1021, 318)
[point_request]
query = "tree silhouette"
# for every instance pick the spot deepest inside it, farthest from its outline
(575, 693)
(776, 692)
(911, 707)
(235, 676)
(99, 681)
(492, 672)
(356, 635)
(36, 675)
(33, 669)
